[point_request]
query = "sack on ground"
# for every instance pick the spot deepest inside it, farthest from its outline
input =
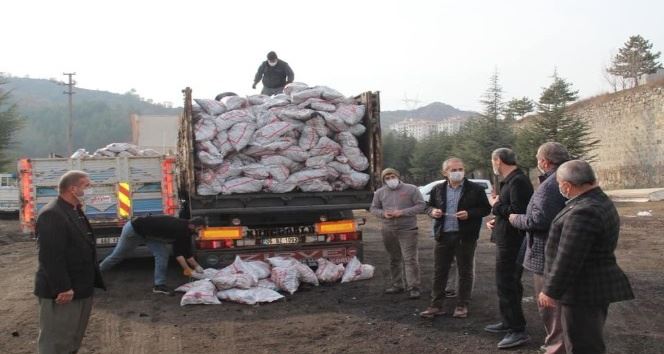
(203, 292)
(357, 271)
(286, 278)
(329, 272)
(249, 296)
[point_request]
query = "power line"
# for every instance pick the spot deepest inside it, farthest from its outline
(70, 92)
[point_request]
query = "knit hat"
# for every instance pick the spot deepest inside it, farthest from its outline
(388, 171)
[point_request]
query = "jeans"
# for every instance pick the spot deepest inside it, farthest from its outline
(508, 283)
(453, 245)
(128, 241)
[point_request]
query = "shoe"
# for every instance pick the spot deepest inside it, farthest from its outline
(497, 328)
(393, 290)
(414, 294)
(513, 339)
(460, 312)
(432, 312)
(163, 289)
(450, 293)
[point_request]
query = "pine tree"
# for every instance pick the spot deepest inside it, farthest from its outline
(481, 135)
(555, 123)
(635, 59)
(10, 123)
(397, 152)
(517, 108)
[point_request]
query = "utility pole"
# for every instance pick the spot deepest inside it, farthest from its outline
(70, 92)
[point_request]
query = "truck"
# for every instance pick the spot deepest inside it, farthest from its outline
(122, 187)
(302, 225)
(8, 194)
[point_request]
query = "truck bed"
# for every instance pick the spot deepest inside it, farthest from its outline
(256, 203)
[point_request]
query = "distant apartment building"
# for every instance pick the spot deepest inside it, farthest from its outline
(421, 128)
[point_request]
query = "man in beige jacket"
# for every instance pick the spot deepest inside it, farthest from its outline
(397, 204)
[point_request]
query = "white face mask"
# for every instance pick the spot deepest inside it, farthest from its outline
(86, 193)
(560, 189)
(271, 63)
(392, 183)
(456, 176)
(496, 171)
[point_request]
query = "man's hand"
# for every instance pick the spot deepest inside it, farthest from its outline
(462, 215)
(545, 301)
(491, 224)
(512, 217)
(387, 214)
(64, 297)
(187, 272)
(494, 199)
(436, 213)
(396, 213)
(253, 86)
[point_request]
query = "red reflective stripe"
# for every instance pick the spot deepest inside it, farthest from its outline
(123, 190)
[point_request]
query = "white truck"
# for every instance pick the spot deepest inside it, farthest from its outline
(122, 187)
(8, 193)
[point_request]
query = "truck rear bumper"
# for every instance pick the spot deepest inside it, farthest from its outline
(340, 252)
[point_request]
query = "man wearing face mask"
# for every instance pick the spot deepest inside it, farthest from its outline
(68, 272)
(544, 205)
(397, 205)
(581, 274)
(515, 193)
(457, 206)
(275, 74)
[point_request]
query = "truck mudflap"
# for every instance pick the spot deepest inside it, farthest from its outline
(308, 254)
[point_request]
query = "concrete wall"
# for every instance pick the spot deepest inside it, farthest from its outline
(630, 126)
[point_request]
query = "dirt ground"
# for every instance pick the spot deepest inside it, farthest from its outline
(340, 318)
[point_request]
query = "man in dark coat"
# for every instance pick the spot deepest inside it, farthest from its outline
(581, 272)
(515, 193)
(544, 205)
(457, 206)
(68, 272)
(275, 74)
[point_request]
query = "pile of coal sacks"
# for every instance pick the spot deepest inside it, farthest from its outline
(304, 139)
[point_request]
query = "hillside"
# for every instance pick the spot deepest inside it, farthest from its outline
(436, 111)
(99, 117)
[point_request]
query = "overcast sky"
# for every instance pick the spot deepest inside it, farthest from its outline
(430, 50)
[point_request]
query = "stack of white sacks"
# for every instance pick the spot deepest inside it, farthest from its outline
(115, 150)
(256, 281)
(304, 139)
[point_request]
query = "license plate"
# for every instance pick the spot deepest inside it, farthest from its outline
(281, 240)
(107, 240)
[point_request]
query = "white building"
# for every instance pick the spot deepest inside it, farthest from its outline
(421, 128)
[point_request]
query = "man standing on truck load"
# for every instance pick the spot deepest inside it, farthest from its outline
(156, 231)
(457, 206)
(275, 74)
(397, 204)
(68, 271)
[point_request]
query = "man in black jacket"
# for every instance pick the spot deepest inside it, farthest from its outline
(275, 74)
(155, 232)
(457, 206)
(515, 193)
(68, 272)
(581, 272)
